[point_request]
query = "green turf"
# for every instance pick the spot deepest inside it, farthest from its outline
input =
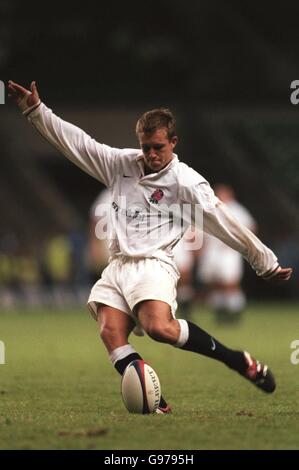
(59, 391)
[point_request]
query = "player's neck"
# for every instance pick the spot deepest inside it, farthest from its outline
(149, 171)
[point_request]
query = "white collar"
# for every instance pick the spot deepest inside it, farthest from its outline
(140, 162)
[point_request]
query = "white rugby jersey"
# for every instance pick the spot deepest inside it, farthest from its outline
(149, 213)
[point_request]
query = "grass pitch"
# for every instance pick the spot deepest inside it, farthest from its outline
(58, 389)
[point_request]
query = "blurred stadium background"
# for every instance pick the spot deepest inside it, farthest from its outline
(225, 69)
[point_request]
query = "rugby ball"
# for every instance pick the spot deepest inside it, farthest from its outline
(140, 388)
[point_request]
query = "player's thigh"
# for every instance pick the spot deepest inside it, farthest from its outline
(115, 326)
(157, 320)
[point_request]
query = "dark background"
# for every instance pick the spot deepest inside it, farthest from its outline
(223, 67)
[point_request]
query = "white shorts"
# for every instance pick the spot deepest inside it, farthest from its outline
(225, 267)
(183, 257)
(127, 281)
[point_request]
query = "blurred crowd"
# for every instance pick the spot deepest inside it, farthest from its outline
(53, 272)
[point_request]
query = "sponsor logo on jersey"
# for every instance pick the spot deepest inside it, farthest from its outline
(131, 213)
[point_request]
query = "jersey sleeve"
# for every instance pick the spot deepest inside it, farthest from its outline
(98, 160)
(216, 219)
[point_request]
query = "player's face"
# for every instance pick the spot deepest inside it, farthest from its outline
(157, 149)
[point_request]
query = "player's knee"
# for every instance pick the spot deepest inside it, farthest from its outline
(155, 331)
(162, 332)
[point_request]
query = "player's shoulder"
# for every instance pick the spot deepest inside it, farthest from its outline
(127, 157)
(193, 187)
(187, 176)
(129, 154)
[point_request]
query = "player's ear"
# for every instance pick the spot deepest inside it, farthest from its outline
(174, 141)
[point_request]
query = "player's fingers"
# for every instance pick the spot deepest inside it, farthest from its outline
(287, 275)
(283, 279)
(17, 87)
(14, 94)
(287, 271)
(12, 91)
(283, 275)
(33, 88)
(11, 88)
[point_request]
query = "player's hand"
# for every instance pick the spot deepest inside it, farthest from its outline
(280, 275)
(25, 99)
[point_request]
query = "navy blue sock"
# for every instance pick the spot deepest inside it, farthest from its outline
(123, 363)
(199, 341)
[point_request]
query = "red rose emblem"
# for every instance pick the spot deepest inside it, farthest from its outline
(156, 196)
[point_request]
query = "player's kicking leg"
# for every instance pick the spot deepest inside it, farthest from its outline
(115, 328)
(156, 319)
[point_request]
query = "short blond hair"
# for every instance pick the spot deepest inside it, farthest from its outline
(156, 119)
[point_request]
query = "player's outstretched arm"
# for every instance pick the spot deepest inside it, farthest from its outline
(214, 218)
(25, 99)
(225, 227)
(98, 160)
